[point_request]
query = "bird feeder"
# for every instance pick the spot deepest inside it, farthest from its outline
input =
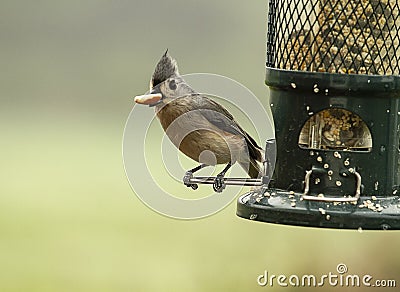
(333, 71)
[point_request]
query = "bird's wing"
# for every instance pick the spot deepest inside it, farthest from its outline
(217, 115)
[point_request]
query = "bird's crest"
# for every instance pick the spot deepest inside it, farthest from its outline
(166, 68)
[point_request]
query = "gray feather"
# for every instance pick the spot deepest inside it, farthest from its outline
(165, 68)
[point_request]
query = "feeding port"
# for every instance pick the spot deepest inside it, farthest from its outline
(335, 129)
(333, 75)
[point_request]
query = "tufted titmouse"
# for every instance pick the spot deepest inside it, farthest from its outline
(200, 127)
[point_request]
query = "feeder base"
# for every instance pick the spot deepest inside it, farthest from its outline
(283, 207)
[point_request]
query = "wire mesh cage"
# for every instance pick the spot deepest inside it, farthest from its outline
(334, 36)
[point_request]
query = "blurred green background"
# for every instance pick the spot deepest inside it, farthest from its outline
(68, 218)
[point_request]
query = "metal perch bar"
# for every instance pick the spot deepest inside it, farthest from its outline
(268, 169)
(233, 181)
(328, 199)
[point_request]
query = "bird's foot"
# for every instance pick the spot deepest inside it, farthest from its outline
(186, 180)
(219, 184)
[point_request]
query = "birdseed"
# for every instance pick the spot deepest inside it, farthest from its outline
(339, 36)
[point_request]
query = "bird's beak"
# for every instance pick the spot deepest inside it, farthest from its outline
(149, 99)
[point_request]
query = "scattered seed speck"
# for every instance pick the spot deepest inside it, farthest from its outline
(319, 159)
(326, 165)
(337, 155)
(376, 185)
(322, 211)
(293, 85)
(338, 183)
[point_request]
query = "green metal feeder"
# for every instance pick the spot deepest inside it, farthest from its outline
(333, 72)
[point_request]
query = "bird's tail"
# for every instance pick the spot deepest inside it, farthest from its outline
(254, 166)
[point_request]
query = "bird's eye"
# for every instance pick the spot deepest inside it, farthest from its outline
(172, 85)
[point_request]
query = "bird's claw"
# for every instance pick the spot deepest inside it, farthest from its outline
(219, 184)
(186, 180)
